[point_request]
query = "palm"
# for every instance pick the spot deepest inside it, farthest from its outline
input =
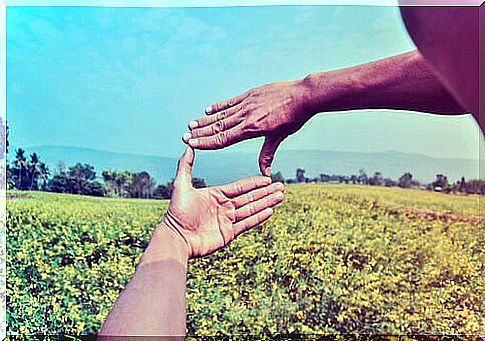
(210, 218)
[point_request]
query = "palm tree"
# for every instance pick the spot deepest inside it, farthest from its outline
(33, 169)
(43, 174)
(21, 163)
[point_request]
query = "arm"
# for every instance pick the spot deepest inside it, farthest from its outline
(403, 82)
(198, 222)
(153, 302)
(277, 110)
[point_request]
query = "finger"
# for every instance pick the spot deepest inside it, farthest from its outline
(266, 155)
(245, 185)
(220, 140)
(184, 168)
(252, 221)
(259, 205)
(217, 127)
(225, 104)
(257, 194)
(207, 120)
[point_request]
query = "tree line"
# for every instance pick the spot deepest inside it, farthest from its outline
(440, 184)
(30, 173)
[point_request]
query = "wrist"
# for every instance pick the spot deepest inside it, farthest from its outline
(332, 91)
(166, 244)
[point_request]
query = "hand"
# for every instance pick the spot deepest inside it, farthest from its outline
(208, 219)
(274, 111)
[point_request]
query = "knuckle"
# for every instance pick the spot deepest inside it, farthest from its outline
(222, 115)
(265, 191)
(202, 121)
(252, 197)
(252, 209)
(221, 125)
(249, 107)
(251, 124)
(221, 137)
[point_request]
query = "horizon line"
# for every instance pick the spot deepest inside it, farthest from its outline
(225, 152)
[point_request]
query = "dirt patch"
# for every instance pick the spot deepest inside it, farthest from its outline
(17, 196)
(417, 213)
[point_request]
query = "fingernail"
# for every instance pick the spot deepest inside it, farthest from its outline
(208, 110)
(186, 137)
(193, 142)
(267, 171)
(193, 124)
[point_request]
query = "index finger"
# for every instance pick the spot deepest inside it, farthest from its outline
(245, 185)
(212, 109)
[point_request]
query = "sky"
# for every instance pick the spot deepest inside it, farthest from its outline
(129, 79)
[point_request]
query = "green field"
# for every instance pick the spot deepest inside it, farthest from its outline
(332, 259)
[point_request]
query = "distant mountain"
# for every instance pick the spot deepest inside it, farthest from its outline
(222, 167)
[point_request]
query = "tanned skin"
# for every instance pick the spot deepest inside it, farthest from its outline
(440, 77)
(198, 222)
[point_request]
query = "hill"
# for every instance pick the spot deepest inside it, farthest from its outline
(221, 167)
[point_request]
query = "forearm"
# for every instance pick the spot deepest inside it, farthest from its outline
(402, 82)
(153, 303)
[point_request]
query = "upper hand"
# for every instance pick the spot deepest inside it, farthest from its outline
(208, 219)
(275, 111)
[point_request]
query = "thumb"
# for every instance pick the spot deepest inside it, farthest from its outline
(184, 169)
(266, 155)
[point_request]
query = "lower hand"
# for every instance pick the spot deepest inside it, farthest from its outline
(274, 111)
(208, 219)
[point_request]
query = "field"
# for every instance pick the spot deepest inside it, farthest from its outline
(332, 259)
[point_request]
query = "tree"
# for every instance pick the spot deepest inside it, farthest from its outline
(377, 179)
(300, 175)
(405, 180)
(79, 179)
(61, 167)
(122, 180)
(278, 177)
(59, 184)
(141, 185)
(108, 179)
(20, 163)
(362, 178)
(43, 175)
(388, 182)
(32, 170)
(440, 184)
(94, 188)
(198, 183)
(462, 185)
(82, 172)
(163, 191)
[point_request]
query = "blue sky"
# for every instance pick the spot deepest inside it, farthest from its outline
(129, 79)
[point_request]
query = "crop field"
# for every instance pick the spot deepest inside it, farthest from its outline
(333, 258)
